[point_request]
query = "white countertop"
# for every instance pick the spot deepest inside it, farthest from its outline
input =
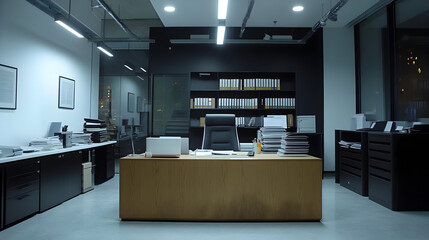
(55, 151)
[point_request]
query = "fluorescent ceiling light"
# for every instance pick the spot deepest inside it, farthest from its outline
(128, 67)
(140, 77)
(220, 34)
(222, 9)
(105, 51)
(298, 8)
(70, 29)
(169, 9)
(144, 70)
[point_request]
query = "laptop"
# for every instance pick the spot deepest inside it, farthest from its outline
(164, 146)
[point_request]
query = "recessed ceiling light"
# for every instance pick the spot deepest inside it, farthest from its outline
(298, 8)
(169, 9)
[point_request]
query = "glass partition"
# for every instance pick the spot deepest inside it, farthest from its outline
(374, 78)
(171, 105)
(124, 101)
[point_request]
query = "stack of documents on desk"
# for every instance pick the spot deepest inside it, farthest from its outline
(293, 144)
(97, 128)
(10, 151)
(81, 138)
(271, 138)
(354, 145)
(48, 143)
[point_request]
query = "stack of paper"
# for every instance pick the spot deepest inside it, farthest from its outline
(48, 143)
(10, 151)
(354, 145)
(293, 144)
(81, 138)
(271, 138)
(97, 128)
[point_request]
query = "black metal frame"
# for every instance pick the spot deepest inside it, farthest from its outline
(59, 92)
(16, 87)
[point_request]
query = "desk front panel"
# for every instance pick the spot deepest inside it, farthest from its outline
(221, 189)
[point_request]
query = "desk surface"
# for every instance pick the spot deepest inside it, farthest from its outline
(222, 188)
(238, 156)
(54, 151)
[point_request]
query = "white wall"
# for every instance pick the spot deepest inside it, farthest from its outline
(42, 51)
(339, 87)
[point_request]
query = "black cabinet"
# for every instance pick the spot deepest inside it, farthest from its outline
(21, 194)
(61, 178)
(398, 170)
(104, 163)
(352, 166)
(1, 196)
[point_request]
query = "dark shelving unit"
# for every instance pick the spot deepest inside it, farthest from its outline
(206, 85)
(352, 164)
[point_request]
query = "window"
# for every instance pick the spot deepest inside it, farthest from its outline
(412, 60)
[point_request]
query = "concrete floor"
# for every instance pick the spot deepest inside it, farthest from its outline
(346, 215)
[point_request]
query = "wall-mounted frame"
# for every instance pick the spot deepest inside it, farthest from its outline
(66, 93)
(8, 87)
(131, 102)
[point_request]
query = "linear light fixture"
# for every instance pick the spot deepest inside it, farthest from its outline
(140, 77)
(144, 70)
(63, 22)
(220, 34)
(105, 50)
(298, 8)
(169, 9)
(128, 67)
(222, 9)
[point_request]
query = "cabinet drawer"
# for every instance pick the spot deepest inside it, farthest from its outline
(377, 163)
(380, 173)
(22, 167)
(379, 138)
(355, 154)
(380, 191)
(16, 190)
(380, 147)
(353, 183)
(386, 156)
(21, 179)
(21, 206)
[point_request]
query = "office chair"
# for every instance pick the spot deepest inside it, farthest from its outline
(220, 132)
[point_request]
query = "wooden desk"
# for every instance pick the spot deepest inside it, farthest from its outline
(228, 188)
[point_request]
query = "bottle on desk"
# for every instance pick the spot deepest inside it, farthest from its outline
(259, 147)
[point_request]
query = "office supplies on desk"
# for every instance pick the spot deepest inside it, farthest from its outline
(10, 151)
(164, 146)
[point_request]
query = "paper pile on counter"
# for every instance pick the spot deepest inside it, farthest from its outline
(293, 144)
(47, 143)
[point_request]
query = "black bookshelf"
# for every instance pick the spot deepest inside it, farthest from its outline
(207, 85)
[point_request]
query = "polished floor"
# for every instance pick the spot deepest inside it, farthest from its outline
(346, 215)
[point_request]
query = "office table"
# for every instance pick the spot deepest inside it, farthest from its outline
(221, 188)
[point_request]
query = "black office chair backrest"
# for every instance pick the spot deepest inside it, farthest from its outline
(220, 132)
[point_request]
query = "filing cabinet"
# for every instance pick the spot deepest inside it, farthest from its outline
(21, 190)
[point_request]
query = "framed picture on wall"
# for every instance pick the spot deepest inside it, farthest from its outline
(66, 93)
(8, 87)
(131, 102)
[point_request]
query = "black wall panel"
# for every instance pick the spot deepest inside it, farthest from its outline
(306, 61)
